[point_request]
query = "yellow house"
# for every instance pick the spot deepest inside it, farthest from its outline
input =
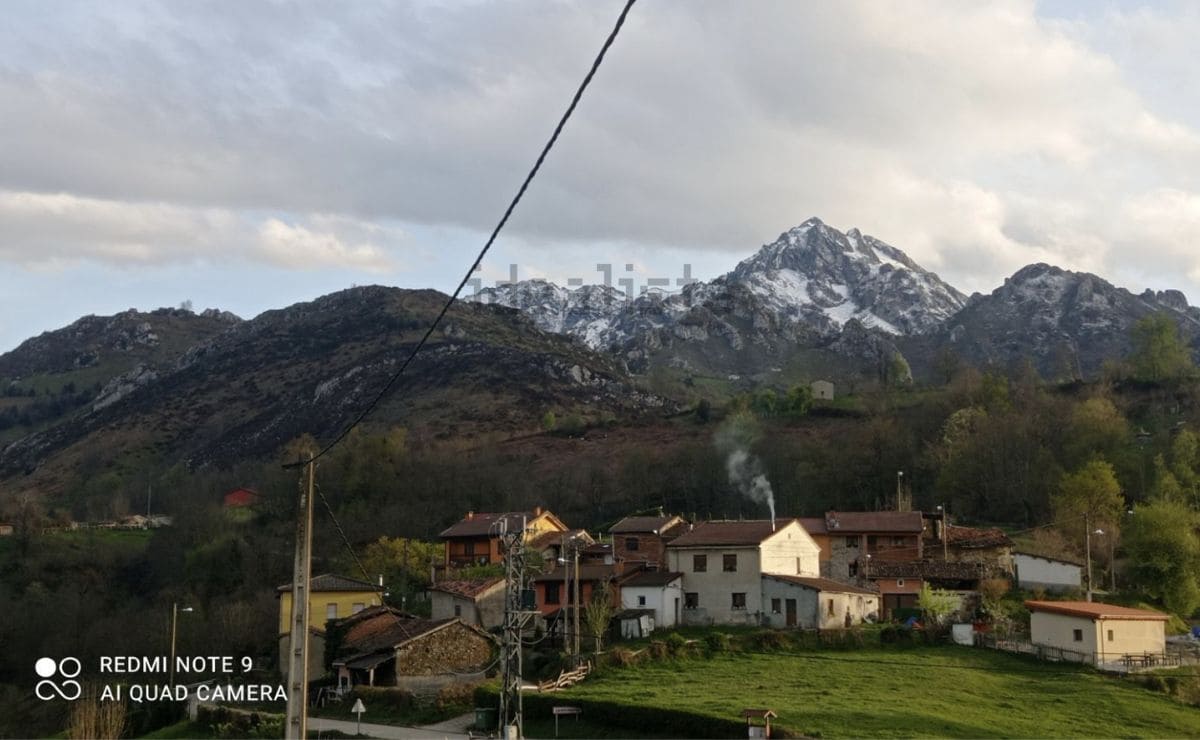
(1102, 633)
(329, 597)
(475, 539)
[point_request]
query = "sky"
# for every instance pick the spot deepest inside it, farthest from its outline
(247, 156)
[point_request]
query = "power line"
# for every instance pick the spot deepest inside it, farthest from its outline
(608, 42)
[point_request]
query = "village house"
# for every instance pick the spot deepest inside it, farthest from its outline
(330, 597)
(475, 539)
(554, 593)
(642, 540)
(858, 536)
(822, 390)
(551, 545)
(990, 546)
(384, 647)
(478, 602)
(815, 603)
(1099, 633)
(899, 582)
(658, 591)
(1054, 574)
(723, 562)
(239, 498)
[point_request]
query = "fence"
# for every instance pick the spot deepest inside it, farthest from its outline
(1121, 662)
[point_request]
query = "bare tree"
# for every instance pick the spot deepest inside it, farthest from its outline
(92, 718)
(598, 613)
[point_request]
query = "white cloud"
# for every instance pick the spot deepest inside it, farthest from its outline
(48, 230)
(979, 137)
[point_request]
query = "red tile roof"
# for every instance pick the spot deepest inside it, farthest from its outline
(547, 540)
(586, 573)
(873, 521)
(386, 630)
(650, 578)
(813, 524)
(821, 584)
(469, 589)
(971, 538)
(730, 533)
(1094, 610)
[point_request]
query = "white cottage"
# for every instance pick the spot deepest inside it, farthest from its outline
(806, 602)
(723, 562)
(660, 592)
(1100, 633)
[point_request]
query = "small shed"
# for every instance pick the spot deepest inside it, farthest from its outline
(1099, 633)
(822, 390)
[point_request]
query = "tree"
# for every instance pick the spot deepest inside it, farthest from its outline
(549, 421)
(896, 372)
(798, 401)
(1090, 496)
(937, 604)
(1164, 554)
(403, 563)
(598, 614)
(1158, 352)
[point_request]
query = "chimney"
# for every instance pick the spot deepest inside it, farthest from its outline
(537, 511)
(470, 515)
(772, 522)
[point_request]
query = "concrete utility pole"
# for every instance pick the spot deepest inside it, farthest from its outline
(575, 611)
(1087, 545)
(296, 725)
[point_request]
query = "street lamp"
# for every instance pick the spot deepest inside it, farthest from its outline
(945, 532)
(573, 543)
(899, 478)
(174, 621)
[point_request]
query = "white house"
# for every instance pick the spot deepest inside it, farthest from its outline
(822, 390)
(723, 562)
(656, 590)
(1052, 574)
(1101, 633)
(806, 602)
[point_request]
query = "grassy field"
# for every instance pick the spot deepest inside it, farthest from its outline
(878, 692)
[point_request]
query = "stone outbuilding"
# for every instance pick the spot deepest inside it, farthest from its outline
(478, 602)
(822, 390)
(815, 603)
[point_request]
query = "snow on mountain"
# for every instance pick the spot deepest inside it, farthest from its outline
(812, 275)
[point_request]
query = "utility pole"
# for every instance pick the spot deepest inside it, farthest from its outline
(1087, 545)
(512, 724)
(575, 611)
(296, 725)
(565, 598)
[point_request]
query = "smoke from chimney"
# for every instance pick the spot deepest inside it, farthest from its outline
(745, 470)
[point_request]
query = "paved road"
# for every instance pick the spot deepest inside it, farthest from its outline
(454, 729)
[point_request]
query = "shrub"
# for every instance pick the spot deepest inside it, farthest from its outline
(622, 657)
(770, 640)
(658, 650)
(396, 701)
(676, 644)
(717, 642)
(456, 695)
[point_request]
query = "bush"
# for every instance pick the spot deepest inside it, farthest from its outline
(226, 723)
(770, 640)
(717, 642)
(622, 658)
(456, 695)
(676, 645)
(391, 700)
(658, 650)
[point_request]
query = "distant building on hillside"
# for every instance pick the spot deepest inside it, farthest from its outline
(822, 390)
(475, 539)
(239, 497)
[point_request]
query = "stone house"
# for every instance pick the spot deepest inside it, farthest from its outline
(1100, 633)
(642, 540)
(384, 647)
(815, 603)
(856, 537)
(822, 390)
(475, 539)
(478, 602)
(554, 593)
(723, 562)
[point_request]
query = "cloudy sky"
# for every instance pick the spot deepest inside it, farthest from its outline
(251, 155)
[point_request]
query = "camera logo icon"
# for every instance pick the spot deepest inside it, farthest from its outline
(67, 669)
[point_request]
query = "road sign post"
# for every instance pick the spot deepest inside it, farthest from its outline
(358, 710)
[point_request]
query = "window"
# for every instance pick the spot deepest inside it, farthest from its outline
(1078, 635)
(829, 607)
(357, 607)
(691, 600)
(898, 541)
(775, 606)
(799, 566)
(699, 563)
(458, 610)
(1110, 636)
(631, 544)
(552, 592)
(729, 562)
(469, 547)
(899, 583)
(851, 542)
(872, 540)
(853, 568)
(330, 612)
(641, 601)
(739, 601)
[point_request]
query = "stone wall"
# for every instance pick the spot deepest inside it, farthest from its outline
(453, 649)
